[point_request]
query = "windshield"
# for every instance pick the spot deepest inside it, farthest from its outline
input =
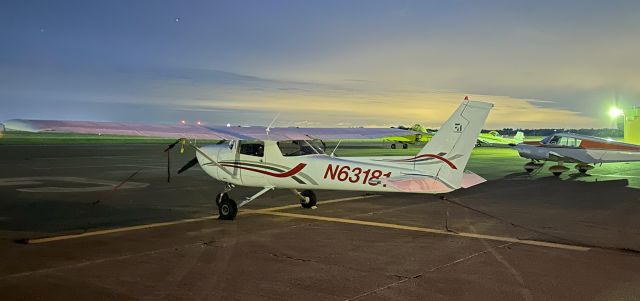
(291, 148)
(546, 140)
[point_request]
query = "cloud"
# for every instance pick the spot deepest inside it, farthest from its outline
(374, 104)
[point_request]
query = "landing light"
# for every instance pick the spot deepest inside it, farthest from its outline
(615, 112)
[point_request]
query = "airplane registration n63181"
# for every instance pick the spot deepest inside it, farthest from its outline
(293, 158)
(354, 174)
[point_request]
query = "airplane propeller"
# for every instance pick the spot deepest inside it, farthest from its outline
(172, 145)
(189, 164)
(182, 142)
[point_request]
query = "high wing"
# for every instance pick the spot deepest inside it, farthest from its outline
(198, 131)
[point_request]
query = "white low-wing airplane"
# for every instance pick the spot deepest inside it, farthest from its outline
(289, 158)
(574, 148)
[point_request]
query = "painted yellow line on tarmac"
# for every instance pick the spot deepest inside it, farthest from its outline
(117, 230)
(427, 230)
(164, 224)
(272, 211)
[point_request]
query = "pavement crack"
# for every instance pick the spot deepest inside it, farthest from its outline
(97, 261)
(457, 261)
(289, 257)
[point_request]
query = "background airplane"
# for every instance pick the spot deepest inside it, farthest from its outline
(419, 134)
(572, 148)
(287, 158)
(494, 139)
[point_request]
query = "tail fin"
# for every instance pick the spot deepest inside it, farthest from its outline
(451, 146)
(519, 137)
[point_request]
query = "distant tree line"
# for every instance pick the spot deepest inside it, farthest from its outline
(547, 132)
(543, 132)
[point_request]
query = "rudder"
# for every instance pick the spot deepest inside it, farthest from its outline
(448, 152)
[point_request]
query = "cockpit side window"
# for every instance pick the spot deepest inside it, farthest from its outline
(570, 142)
(290, 148)
(255, 149)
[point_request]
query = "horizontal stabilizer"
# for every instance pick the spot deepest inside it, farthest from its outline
(416, 184)
(471, 179)
(426, 184)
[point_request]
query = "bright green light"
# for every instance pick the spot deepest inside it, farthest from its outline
(615, 112)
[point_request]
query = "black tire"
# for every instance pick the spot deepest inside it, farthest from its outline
(221, 196)
(582, 170)
(310, 199)
(393, 146)
(227, 209)
(405, 146)
(529, 170)
(557, 174)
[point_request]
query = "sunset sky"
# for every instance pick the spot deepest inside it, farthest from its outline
(319, 63)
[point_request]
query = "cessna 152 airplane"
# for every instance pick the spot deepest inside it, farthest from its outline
(573, 148)
(271, 158)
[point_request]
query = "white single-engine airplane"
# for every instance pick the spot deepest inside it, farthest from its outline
(573, 148)
(289, 158)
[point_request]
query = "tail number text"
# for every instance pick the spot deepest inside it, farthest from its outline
(354, 174)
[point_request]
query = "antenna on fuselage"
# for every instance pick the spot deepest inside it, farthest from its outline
(333, 152)
(268, 129)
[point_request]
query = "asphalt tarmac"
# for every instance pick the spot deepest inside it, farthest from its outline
(101, 222)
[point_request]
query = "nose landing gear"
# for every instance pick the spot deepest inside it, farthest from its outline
(531, 166)
(583, 168)
(227, 208)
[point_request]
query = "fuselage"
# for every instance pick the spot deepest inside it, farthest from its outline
(268, 166)
(578, 149)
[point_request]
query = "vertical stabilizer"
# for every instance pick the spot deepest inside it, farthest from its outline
(448, 152)
(519, 137)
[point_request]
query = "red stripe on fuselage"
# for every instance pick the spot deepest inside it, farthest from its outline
(443, 159)
(286, 174)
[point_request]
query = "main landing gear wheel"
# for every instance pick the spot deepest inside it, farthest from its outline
(310, 199)
(557, 170)
(227, 208)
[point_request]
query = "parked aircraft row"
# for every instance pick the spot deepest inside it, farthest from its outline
(585, 151)
(418, 134)
(291, 158)
(561, 148)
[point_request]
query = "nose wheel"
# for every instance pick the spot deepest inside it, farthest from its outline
(227, 208)
(583, 168)
(532, 166)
